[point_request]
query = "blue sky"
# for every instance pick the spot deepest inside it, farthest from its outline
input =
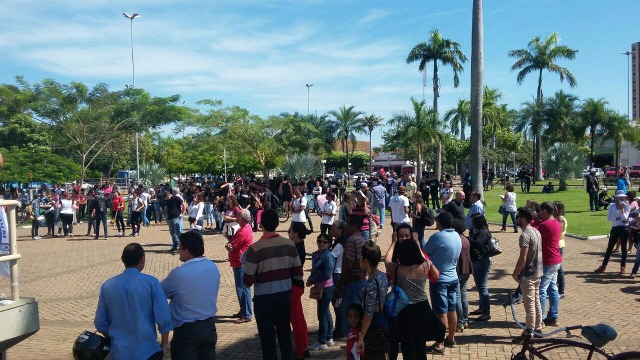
(260, 54)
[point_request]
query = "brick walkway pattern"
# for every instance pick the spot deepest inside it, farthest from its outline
(65, 275)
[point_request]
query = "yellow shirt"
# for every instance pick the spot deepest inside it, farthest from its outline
(562, 221)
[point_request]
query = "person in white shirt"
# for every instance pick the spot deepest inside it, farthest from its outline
(299, 204)
(446, 194)
(328, 213)
(144, 197)
(399, 205)
(195, 212)
(66, 213)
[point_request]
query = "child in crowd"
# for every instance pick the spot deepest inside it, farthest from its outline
(355, 314)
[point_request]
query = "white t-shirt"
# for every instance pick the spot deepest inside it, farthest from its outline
(145, 198)
(447, 195)
(66, 206)
(397, 204)
(297, 204)
(329, 207)
(196, 210)
(510, 202)
(338, 251)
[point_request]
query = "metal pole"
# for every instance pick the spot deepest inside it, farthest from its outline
(225, 163)
(308, 86)
(133, 78)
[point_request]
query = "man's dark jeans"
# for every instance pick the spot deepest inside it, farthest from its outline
(593, 200)
(272, 313)
(195, 340)
(101, 216)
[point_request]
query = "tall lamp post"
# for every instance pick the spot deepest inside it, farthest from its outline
(308, 86)
(628, 53)
(133, 76)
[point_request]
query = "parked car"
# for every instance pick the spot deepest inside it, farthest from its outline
(360, 175)
(611, 172)
(599, 172)
(634, 172)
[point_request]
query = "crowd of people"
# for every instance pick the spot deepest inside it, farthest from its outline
(347, 279)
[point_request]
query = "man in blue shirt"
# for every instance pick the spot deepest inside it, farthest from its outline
(476, 208)
(130, 306)
(444, 249)
(193, 290)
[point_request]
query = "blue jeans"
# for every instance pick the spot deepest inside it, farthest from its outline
(208, 212)
(175, 229)
(481, 277)
(561, 275)
(462, 305)
(549, 288)
(145, 218)
(366, 234)
(513, 219)
(243, 293)
(336, 309)
(380, 211)
(101, 216)
(351, 294)
(636, 264)
(217, 215)
(420, 230)
(325, 321)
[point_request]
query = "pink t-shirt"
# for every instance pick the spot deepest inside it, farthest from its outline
(550, 231)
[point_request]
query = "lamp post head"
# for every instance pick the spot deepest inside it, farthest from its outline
(132, 16)
(309, 85)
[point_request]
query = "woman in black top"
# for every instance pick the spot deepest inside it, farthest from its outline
(481, 263)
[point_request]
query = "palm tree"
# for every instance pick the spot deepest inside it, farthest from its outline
(538, 56)
(446, 51)
(369, 123)
(559, 120)
(420, 126)
(593, 115)
(347, 121)
(459, 117)
(616, 127)
(477, 45)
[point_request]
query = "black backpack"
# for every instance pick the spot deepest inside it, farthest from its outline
(275, 201)
(426, 217)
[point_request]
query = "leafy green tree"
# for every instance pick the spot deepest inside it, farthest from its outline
(617, 127)
(419, 127)
(592, 116)
(369, 123)
(560, 120)
(537, 57)
(23, 165)
(347, 121)
(302, 166)
(566, 160)
(447, 52)
(459, 117)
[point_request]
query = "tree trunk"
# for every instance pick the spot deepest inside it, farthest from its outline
(370, 154)
(592, 131)
(477, 61)
(419, 164)
(462, 134)
(436, 93)
(537, 161)
(346, 141)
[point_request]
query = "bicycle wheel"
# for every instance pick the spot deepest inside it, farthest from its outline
(634, 355)
(282, 215)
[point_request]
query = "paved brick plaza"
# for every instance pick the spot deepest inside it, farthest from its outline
(64, 275)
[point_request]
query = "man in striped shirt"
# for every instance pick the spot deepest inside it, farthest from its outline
(273, 266)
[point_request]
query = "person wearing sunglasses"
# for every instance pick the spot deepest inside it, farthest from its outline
(322, 264)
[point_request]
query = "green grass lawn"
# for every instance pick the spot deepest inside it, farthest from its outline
(576, 201)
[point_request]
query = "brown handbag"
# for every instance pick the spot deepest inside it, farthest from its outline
(316, 292)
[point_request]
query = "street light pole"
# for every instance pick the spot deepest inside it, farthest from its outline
(133, 76)
(308, 86)
(628, 53)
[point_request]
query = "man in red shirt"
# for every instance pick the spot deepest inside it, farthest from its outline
(239, 243)
(550, 230)
(117, 208)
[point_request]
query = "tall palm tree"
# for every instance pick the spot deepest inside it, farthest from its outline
(459, 117)
(419, 127)
(477, 45)
(347, 121)
(560, 121)
(369, 123)
(538, 56)
(447, 52)
(617, 128)
(593, 115)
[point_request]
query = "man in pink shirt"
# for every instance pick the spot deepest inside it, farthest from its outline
(237, 246)
(550, 230)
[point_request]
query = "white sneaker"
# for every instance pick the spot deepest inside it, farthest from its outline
(35, 238)
(330, 342)
(318, 347)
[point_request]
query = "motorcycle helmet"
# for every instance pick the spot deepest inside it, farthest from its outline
(91, 346)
